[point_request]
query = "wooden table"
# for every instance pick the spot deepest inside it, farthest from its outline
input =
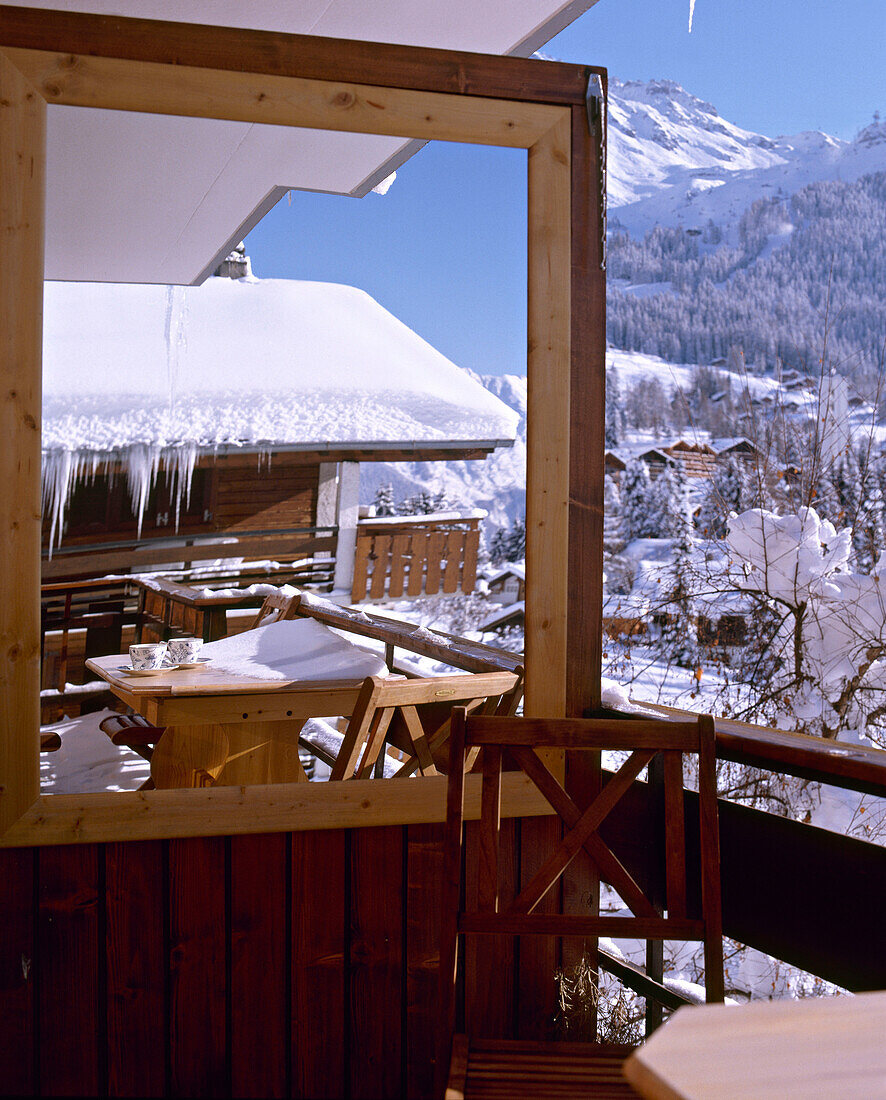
(819, 1047)
(225, 730)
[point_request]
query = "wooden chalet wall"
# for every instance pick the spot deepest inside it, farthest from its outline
(280, 495)
(231, 493)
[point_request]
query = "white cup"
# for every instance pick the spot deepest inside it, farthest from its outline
(147, 655)
(183, 650)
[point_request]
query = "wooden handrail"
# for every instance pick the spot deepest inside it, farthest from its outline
(840, 765)
(70, 561)
(451, 650)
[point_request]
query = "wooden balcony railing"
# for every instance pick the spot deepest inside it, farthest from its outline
(178, 555)
(415, 555)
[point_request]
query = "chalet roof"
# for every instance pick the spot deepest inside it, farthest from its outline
(248, 364)
(682, 447)
(510, 569)
(508, 616)
(737, 443)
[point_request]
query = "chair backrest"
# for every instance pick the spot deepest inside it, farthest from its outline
(517, 739)
(381, 701)
(277, 606)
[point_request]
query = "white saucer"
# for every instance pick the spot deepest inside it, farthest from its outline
(128, 670)
(200, 662)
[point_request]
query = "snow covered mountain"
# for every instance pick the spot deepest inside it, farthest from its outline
(496, 484)
(674, 161)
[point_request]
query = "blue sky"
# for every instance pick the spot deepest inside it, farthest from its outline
(445, 249)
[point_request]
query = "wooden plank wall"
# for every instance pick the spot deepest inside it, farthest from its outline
(281, 496)
(305, 964)
(300, 965)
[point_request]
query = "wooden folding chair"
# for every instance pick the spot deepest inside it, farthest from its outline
(475, 1066)
(383, 702)
(277, 606)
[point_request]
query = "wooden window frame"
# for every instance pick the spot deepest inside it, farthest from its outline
(209, 72)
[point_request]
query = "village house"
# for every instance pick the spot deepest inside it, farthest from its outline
(241, 409)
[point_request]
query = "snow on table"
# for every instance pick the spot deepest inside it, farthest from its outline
(294, 649)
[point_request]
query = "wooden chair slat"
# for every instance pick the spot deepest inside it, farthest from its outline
(675, 836)
(572, 733)
(588, 823)
(609, 867)
(490, 822)
(709, 836)
(418, 738)
(515, 1068)
(277, 606)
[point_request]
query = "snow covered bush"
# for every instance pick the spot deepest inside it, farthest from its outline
(825, 661)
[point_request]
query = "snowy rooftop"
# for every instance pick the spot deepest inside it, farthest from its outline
(248, 363)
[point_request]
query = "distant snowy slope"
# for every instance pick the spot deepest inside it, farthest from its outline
(673, 160)
(497, 483)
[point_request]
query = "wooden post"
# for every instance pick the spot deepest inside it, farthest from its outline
(22, 198)
(547, 447)
(584, 620)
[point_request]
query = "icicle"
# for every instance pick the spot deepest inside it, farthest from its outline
(180, 463)
(142, 463)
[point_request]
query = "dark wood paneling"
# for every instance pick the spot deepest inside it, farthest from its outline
(490, 962)
(319, 946)
(198, 972)
(539, 955)
(70, 957)
(135, 899)
(17, 972)
(584, 624)
(375, 1033)
(802, 894)
(785, 887)
(259, 993)
(424, 881)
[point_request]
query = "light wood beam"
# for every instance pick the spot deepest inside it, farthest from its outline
(22, 191)
(547, 448)
(280, 807)
(79, 81)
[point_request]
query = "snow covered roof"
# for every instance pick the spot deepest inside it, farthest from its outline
(510, 614)
(509, 569)
(248, 363)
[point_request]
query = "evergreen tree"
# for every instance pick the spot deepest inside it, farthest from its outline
(868, 529)
(636, 490)
(498, 546)
(614, 410)
(727, 491)
(384, 500)
(667, 514)
(508, 544)
(613, 538)
(679, 634)
(421, 504)
(517, 540)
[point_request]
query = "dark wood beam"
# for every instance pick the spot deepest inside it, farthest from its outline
(584, 622)
(273, 54)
